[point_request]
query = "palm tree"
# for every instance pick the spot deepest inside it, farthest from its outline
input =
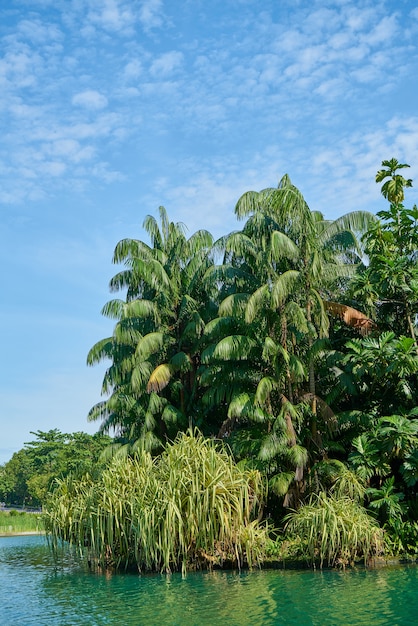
(154, 348)
(390, 281)
(278, 270)
(318, 251)
(318, 254)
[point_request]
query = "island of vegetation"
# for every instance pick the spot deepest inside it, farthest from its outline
(261, 393)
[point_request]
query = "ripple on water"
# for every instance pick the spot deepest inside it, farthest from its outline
(33, 590)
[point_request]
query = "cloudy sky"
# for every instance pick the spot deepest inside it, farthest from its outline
(111, 108)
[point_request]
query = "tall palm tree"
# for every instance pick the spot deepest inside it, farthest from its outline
(318, 254)
(154, 348)
(278, 269)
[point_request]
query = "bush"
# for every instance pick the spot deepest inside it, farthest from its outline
(335, 531)
(191, 507)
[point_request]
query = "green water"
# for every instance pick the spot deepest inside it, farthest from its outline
(35, 591)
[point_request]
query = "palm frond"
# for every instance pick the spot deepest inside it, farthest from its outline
(284, 286)
(150, 344)
(352, 317)
(234, 347)
(234, 305)
(264, 389)
(160, 377)
(283, 246)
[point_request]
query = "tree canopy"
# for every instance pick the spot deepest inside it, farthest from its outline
(293, 340)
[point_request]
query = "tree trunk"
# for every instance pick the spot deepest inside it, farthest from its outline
(312, 386)
(410, 324)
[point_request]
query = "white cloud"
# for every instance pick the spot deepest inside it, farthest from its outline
(166, 63)
(301, 70)
(151, 14)
(112, 15)
(133, 69)
(70, 149)
(38, 32)
(384, 32)
(90, 99)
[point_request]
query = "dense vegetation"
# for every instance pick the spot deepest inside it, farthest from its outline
(189, 507)
(293, 342)
(30, 474)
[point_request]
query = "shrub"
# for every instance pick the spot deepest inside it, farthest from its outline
(335, 531)
(190, 507)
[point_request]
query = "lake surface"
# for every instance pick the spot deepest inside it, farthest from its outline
(34, 590)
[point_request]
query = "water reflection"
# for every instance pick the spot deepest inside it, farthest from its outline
(33, 590)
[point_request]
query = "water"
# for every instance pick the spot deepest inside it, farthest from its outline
(35, 591)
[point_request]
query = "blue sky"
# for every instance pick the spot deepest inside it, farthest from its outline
(111, 108)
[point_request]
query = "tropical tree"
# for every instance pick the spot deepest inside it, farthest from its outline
(280, 272)
(154, 350)
(383, 372)
(390, 282)
(31, 473)
(386, 501)
(318, 252)
(367, 458)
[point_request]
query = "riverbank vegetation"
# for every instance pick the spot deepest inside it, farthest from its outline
(15, 522)
(28, 477)
(187, 508)
(292, 343)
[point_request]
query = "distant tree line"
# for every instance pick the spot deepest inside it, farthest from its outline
(28, 477)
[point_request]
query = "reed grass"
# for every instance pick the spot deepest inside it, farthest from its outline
(189, 508)
(335, 531)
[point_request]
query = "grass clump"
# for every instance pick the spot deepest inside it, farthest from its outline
(189, 508)
(12, 522)
(334, 531)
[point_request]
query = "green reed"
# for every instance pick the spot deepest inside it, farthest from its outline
(189, 508)
(335, 531)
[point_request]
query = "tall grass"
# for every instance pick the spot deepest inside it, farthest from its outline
(20, 522)
(191, 507)
(335, 531)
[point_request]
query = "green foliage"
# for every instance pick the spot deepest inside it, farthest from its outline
(20, 522)
(30, 474)
(386, 501)
(393, 189)
(390, 282)
(334, 477)
(401, 537)
(383, 371)
(190, 507)
(334, 531)
(155, 348)
(299, 348)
